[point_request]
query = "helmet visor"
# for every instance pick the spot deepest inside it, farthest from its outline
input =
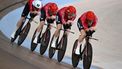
(71, 15)
(52, 12)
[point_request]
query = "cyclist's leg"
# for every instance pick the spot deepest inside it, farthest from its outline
(57, 32)
(38, 31)
(40, 27)
(81, 37)
(23, 17)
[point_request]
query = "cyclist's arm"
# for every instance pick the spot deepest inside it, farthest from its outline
(61, 14)
(85, 25)
(46, 10)
(83, 21)
(69, 22)
(30, 5)
(93, 28)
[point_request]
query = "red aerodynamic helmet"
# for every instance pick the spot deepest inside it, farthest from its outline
(53, 8)
(70, 10)
(90, 15)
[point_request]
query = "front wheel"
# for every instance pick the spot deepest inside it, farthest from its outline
(24, 34)
(87, 56)
(62, 48)
(75, 58)
(18, 31)
(45, 41)
(33, 45)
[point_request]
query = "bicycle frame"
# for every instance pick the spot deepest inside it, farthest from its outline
(19, 30)
(85, 54)
(47, 29)
(30, 19)
(24, 31)
(87, 38)
(64, 35)
(59, 45)
(48, 26)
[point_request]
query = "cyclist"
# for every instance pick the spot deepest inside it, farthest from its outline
(48, 12)
(87, 26)
(33, 7)
(65, 17)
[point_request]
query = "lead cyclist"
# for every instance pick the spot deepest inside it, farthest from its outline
(87, 26)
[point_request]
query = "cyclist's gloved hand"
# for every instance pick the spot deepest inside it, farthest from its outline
(50, 20)
(89, 33)
(32, 15)
(67, 26)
